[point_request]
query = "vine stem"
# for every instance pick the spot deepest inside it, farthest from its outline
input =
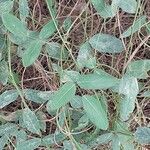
(12, 76)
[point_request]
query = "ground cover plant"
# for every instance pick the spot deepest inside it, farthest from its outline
(74, 74)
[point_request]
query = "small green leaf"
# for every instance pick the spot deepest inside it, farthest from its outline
(106, 43)
(21, 136)
(102, 139)
(122, 141)
(14, 25)
(51, 139)
(31, 53)
(42, 117)
(137, 25)
(76, 102)
(69, 75)
(30, 121)
(48, 30)
(95, 112)
(5, 6)
(67, 23)
(103, 9)
(148, 28)
(2, 44)
(97, 80)
(23, 10)
(25, 41)
(37, 96)
(7, 129)
(4, 73)
(62, 96)
(31, 144)
(82, 123)
(56, 51)
(129, 88)
(8, 97)
(85, 56)
(146, 94)
(68, 145)
(142, 135)
(139, 68)
(129, 6)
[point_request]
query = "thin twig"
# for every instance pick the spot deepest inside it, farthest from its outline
(135, 51)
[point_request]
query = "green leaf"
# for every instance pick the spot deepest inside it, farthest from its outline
(30, 121)
(8, 97)
(95, 112)
(5, 6)
(21, 136)
(97, 80)
(67, 23)
(106, 43)
(136, 26)
(142, 135)
(37, 96)
(129, 88)
(31, 144)
(102, 139)
(25, 41)
(3, 142)
(56, 51)
(23, 9)
(76, 102)
(146, 94)
(7, 129)
(4, 73)
(68, 145)
(14, 25)
(42, 117)
(52, 139)
(85, 56)
(122, 141)
(2, 44)
(139, 68)
(69, 75)
(148, 28)
(82, 123)
(31, 53)
(48, 30)
(103, 9)
(62, 96)
(129, 6)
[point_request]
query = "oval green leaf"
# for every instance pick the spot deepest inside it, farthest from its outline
(129, 88)
(31, 144)
(62, 96)
(14, 25)
(4, 73)
(106, 43)
(47, 30)
(139, 68)
(96, 113)
(5, 6)
(129, 6)
(137, 25)
(56, 51)
(142, 135)
(30, 121)
(8, 97)
(31, 53)
(86, 57)
(97, 80)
